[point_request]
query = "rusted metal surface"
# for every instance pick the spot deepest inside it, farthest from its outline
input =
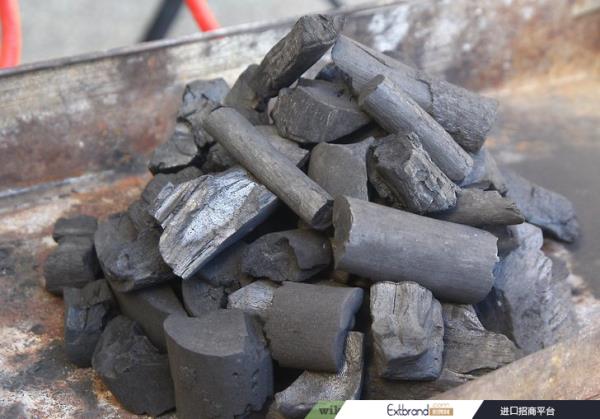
(75, 134)
(559, 372)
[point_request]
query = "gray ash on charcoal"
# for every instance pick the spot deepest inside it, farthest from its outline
(302, 240)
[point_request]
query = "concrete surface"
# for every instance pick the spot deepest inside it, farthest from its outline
(58, 28)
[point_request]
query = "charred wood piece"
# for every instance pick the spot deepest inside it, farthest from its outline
(244, 99)
(296, 401)
(150, 307)
(477, 208)
(250, 147)
(87, 312)
(550, 211)
(398, 113)
(78, 226)
(133, 369)
(307, 325)
(402, 173)
(203, 217)
(220, 365)
(407, 330)
(316, 112)
(130, 259)
(467, 116)
(454, 261)
(293, 255)
(254, 299)
(178, 152)
(200, 298)
(72, 264)
(159, 181)
(341, 169)
(485, 173)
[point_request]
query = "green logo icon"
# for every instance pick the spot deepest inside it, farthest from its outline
(325, 410)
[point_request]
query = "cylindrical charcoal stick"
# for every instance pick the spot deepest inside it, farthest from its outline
(250, 147)
(467, 116)
(454, 261)
(397, 112)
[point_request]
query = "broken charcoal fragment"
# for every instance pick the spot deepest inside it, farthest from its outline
(220, 364)
(331, 72)
(150, 307)
(408, 330)
(200, 97)
(296, 401)
(130, 260)
(550, 211)
(341, 169)
(254, 151)
(518, 304)
(203, 217)
(244, 99)
(303, 46)
(72, 264)
(178, 152)
(254, 299)
(293, 255)
(307, 325)
(133, 369)
(200, 298)
(159, 181)
(403, 174)
(469, 347)
(87, 312)
(477, 208)
(78, 225)
(371, 241)
(139, 216)
(485, 173)
(398, 113)
(467, 116)
(224, 270)
(317, 111)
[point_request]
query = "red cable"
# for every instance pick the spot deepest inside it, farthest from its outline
(10, 50)
(202, 14)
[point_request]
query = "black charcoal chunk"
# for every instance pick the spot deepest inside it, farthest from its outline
(150, 307)
(200, 97)
(220, 365)
(317, 112)
(178, 152)
(133, 369)
(404, 175)
(200, 297)
(485, 173)
(408, 331)
(520, 304)
(217, 159)
(308, 324)
(293, 255)
(159, 181)
(130, 260)
(79, 225)
(331, 72)
(139, 216)
(296, 401)
(87, 312)
(341, 169)
(562, 321)
(203, 217)
(303, 46)
(244, 99)
(477, 208)
(469, 347)
(254, 299)
(550, 211)
(72, 264)
(225, 269)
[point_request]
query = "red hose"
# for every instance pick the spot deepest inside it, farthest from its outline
(202, 14)
(10, 49)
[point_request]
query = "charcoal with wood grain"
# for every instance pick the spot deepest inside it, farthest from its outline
(332, 227)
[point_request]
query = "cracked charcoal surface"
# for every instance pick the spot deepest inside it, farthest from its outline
(293, 255)
(407, 330)
(255, 298)
(402, 173)
(78, 225)
(202, 217)
(485, 173)
(133, 369)
(200, 297)
(220, 364)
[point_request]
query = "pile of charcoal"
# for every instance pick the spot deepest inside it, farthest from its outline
(329, 238)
